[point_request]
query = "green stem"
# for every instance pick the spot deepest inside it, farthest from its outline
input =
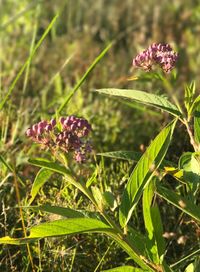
(185, 258)
(169, 89)
(119, 236)
(190, 133)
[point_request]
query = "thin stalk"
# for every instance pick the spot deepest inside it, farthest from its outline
(22, 218)
(190, 133)
(21, 71)
(83, 78)
(121, 237)
(103, 257)
(171, 93)
(185, 258)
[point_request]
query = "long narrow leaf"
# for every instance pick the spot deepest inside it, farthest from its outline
(132, 156)
(143, 172)
(75, 226)
(144, 98)
(83, 78)
(180, 202)
(65, 212)
(124, 269)
(11, 88)
(55, 167)
(42, 176)
(197, 125)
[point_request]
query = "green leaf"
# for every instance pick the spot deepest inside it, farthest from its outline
(197, 125)
(75, 226)
(190, 268)
(123, 155)
(110, 200)
(190, 166)
(60, 228)
(11, 88)
(83, 78)
(92, 178)
(66, 212)
(152, 219)
(132, 156)
(180, 202)
(124, 269)
(144, 98)
(42, 176)
(189, 163)
(195, 105)
(189, 94)
(143, 172)
(55, 167)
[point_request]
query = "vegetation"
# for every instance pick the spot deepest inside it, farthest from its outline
(132, 204)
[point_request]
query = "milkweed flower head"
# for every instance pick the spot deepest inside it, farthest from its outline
(69, 134)
(157, 53)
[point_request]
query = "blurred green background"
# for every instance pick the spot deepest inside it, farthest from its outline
(82, 30)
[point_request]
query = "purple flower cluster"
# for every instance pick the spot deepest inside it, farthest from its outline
(157, 53)
(71, 137)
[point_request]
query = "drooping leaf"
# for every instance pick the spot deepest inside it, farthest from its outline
(180, 202)
(56, 167)
(143, 172)
(144, 98)
(132, 156)
(42, 176)
(60, 228)
(124, 269)
(66, 212)
(123, 155)
(75, 226)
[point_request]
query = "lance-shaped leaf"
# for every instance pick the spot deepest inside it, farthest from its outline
(74, 226)
(42, 176)
(60, 228)
(180, 202)
(144, 171)
(153, 225)
(56, 167)
(132, 156)
(197, 124)
(144, 98)
(62, 211)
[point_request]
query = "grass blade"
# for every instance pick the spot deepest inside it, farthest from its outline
(83, 78)
(11, 88)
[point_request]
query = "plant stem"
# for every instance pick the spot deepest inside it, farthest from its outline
(190, 133)
(22, 218)
(119, 236)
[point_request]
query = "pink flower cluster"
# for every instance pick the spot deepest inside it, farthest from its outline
(68, 135)
(157, 53)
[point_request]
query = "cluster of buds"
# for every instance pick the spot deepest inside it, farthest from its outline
(68, 135)
(157, 53)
